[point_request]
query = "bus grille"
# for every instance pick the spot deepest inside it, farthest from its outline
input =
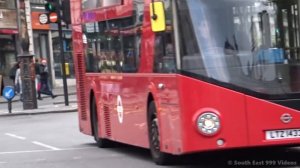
(80, 86)
(107, 120)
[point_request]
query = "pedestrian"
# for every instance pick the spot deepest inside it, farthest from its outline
(1, 85)
(44, 83)
(18, 81)
(12, 72)
(37, 67)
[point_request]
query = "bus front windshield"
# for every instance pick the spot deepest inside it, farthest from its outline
(247, 44)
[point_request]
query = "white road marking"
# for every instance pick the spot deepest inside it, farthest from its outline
(77, 157)
(36, 151)
(40, 160)
(44, 145)
(15, 136)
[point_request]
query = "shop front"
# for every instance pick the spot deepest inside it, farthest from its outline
(8, 37)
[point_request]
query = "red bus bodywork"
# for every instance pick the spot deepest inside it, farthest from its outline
(244, 118)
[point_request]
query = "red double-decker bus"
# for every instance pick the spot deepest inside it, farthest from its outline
(185, 76)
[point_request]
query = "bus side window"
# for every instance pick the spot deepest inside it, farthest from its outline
(104, 37)
(129, 55)
(164, 61)
(164, 58)
(91, 46)
(130, 50)
(115, 45)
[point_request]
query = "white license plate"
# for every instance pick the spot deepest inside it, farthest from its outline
(283, 134)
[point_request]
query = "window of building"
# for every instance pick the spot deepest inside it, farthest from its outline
(8, 53)
(7, 4)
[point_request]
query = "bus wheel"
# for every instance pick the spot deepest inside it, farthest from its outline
(158, 157)
(101, 143)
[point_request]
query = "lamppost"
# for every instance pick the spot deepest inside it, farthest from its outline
(27, 67)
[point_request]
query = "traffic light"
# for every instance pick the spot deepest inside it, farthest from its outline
(52, 8)
(51, 5)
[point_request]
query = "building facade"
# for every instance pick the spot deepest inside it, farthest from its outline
(44, 39)
(8, 35)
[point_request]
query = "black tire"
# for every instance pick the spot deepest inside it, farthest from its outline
(160, 158)
(101, 143)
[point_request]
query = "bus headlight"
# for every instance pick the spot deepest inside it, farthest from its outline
(208, 123)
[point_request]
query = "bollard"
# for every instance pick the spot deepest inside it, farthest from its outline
(9, 106)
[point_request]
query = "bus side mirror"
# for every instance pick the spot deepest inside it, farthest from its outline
(158, 18)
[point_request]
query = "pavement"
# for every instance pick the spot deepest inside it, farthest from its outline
(47, 105)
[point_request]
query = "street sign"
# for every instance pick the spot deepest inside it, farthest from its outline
(8, 92)
(53, 18)
(43, 18)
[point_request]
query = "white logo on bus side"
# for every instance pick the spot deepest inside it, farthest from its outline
(120, 109)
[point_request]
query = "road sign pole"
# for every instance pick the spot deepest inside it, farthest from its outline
(54, 13)
(62, 57)
(9, 106)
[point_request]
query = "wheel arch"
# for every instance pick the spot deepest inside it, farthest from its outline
(92, 91)
(149, 99)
